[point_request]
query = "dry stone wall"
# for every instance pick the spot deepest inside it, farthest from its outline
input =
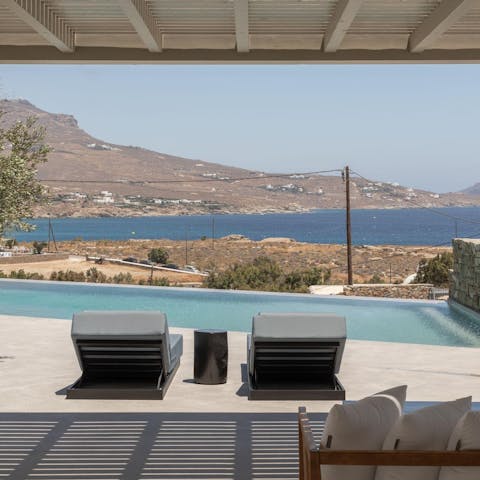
(465, 278)
(45, 257)
(418, 291)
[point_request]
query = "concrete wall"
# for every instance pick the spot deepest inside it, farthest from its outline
(33, 258)
(412, 291)
(465, 279)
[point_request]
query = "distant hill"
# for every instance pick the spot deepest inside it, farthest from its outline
(473, 190)
(184, 185)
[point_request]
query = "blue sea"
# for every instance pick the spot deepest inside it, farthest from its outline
(369, 227)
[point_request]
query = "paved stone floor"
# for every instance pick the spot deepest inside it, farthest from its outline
(37, 362)
(198, 431)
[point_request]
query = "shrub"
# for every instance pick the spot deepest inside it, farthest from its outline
(124, 278)
(11, 242)
(23, 275)
(38, 247)
(265, 274)
(94, 275)
(67, 276)
(376, 278)
(161, 282)
(156, 282)
(158, 255)
(435, 270)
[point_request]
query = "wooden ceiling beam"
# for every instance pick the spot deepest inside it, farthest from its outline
(143, 22)
(40, 17)
(438, 22)
(241, 25)
(345, 13)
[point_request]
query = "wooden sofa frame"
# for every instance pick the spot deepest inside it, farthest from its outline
(312, 455)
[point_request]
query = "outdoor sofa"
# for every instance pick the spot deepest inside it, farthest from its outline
(124, 355)
(312, 456)
(295, 356)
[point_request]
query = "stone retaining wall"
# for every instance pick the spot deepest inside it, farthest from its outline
(47, 257)
(465, 278)
(419, 291)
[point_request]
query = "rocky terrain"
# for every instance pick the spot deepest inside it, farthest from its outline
(88, 177)
(389, 263)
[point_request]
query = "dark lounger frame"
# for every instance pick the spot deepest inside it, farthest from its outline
(115, 391)
(280, 375)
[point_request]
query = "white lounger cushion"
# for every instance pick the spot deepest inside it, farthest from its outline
(361, 425)
(426, 429)
(465, 436)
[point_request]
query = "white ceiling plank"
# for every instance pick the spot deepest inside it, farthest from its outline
(438, 22)
(241, 25)
(344, 14)
(44, 21)
(143, 22)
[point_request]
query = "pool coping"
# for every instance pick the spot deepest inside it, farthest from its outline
(348, 298)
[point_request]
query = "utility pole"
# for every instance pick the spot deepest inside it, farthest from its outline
(51, 236)
(49, 232)
(213, 232)
(186, 245)
(346, 178)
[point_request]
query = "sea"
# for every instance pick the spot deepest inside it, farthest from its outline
(434, 227)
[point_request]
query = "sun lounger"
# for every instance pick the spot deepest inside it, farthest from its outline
(124, 355)
(295, 356)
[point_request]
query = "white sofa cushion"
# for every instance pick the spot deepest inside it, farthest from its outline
(361, 425)
(465, 436)
(428, 428)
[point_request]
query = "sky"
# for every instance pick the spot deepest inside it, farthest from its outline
(418, 125)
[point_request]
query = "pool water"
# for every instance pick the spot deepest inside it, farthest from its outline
(425, 322)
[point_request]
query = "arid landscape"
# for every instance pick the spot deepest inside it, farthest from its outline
(88, 177)
(389, 263)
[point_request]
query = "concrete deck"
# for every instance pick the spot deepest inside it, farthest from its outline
(37, 362)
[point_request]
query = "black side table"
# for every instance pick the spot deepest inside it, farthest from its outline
(210, 356)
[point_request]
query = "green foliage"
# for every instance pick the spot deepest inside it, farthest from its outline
(23, 275)
(376, 278)
(203, 238)
(156, 282)
(67, 276)
(160, 282)
(265, 274)
(435, 270)
(123, 278)
(11, 242)
(38, 247)
(158, 255)
(21, 151)
(93, 275)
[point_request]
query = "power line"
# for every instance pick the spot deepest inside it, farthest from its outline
(433, 210)
(203, 180)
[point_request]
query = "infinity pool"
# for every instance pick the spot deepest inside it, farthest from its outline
(427, 322)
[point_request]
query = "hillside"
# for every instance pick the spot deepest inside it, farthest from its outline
(473, 190)
(180, 186)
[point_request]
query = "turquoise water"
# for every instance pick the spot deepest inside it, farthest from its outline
(424, 322)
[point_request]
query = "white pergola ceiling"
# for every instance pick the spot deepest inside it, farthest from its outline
(239, 31)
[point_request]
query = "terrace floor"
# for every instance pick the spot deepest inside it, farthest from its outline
(37, 362)
(198, 431)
